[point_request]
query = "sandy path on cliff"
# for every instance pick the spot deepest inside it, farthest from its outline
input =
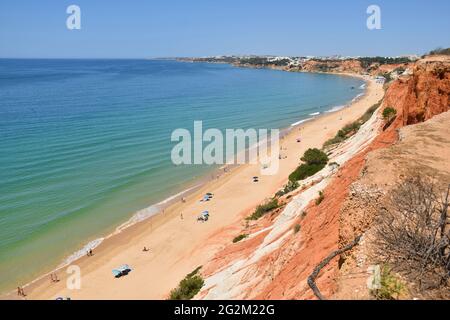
(177, 246)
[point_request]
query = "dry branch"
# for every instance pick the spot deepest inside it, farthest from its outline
(312, 277)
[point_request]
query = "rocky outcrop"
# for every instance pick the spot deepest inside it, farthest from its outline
(421, 148)
(417, 98)
(339, 66)
(423, 94)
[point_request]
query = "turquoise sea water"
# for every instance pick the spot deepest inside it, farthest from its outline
(84, 144)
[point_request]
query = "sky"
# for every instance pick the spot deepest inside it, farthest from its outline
(169, 28)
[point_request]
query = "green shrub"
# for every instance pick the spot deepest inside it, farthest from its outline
(389, 113)
(314, 156)
(188, 287)
(240, 237)
(262, 209)
(320, 198)
(290, 186)
(304, 171)
(193, 273)
(369, 112)
(387, 76)
(350, 129)
(440, 51)
(390, 286)
(315, 160)
(296, 228)
(367, 61)
(337, 139)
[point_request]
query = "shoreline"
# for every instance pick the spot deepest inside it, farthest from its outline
(131, 229)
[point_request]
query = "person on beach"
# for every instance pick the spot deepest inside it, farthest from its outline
(89, 253)
(145, 249)
(20, 292)
(54, 277)
(181, 216)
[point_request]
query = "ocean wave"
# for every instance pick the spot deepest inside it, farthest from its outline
(82, 252)
(357, 97)
(335, 108)
(139, 216)
(300, 122)
(148, 212)
(314, 114)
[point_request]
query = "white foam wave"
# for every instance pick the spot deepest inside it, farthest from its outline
(148, 212)
(139, 216)
(357, 97)
(314, 114)
(336, 108)
(78, 254)
(300, 122)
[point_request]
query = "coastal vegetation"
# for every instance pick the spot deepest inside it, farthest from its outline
(314, 161)
(412, 232)
(188, 287)
(240, 237)
(351, 128)
(367, 61)
(390, 286)
(389, 113)
(320, 198)
(387, 76)
(289, 187)
(263, 61)
(440, 51)
(264, 208)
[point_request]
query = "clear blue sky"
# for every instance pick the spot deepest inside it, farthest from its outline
(155, 28)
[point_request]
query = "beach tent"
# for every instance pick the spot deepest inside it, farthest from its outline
(204, 216)
(123, 270)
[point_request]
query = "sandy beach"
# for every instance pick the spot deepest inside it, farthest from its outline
(177, 243)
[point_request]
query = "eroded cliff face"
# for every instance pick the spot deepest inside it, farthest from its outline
(423, 94)
(352, 66)
(421, 148)
(417, 98)
(345, 66)
(274, 262)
